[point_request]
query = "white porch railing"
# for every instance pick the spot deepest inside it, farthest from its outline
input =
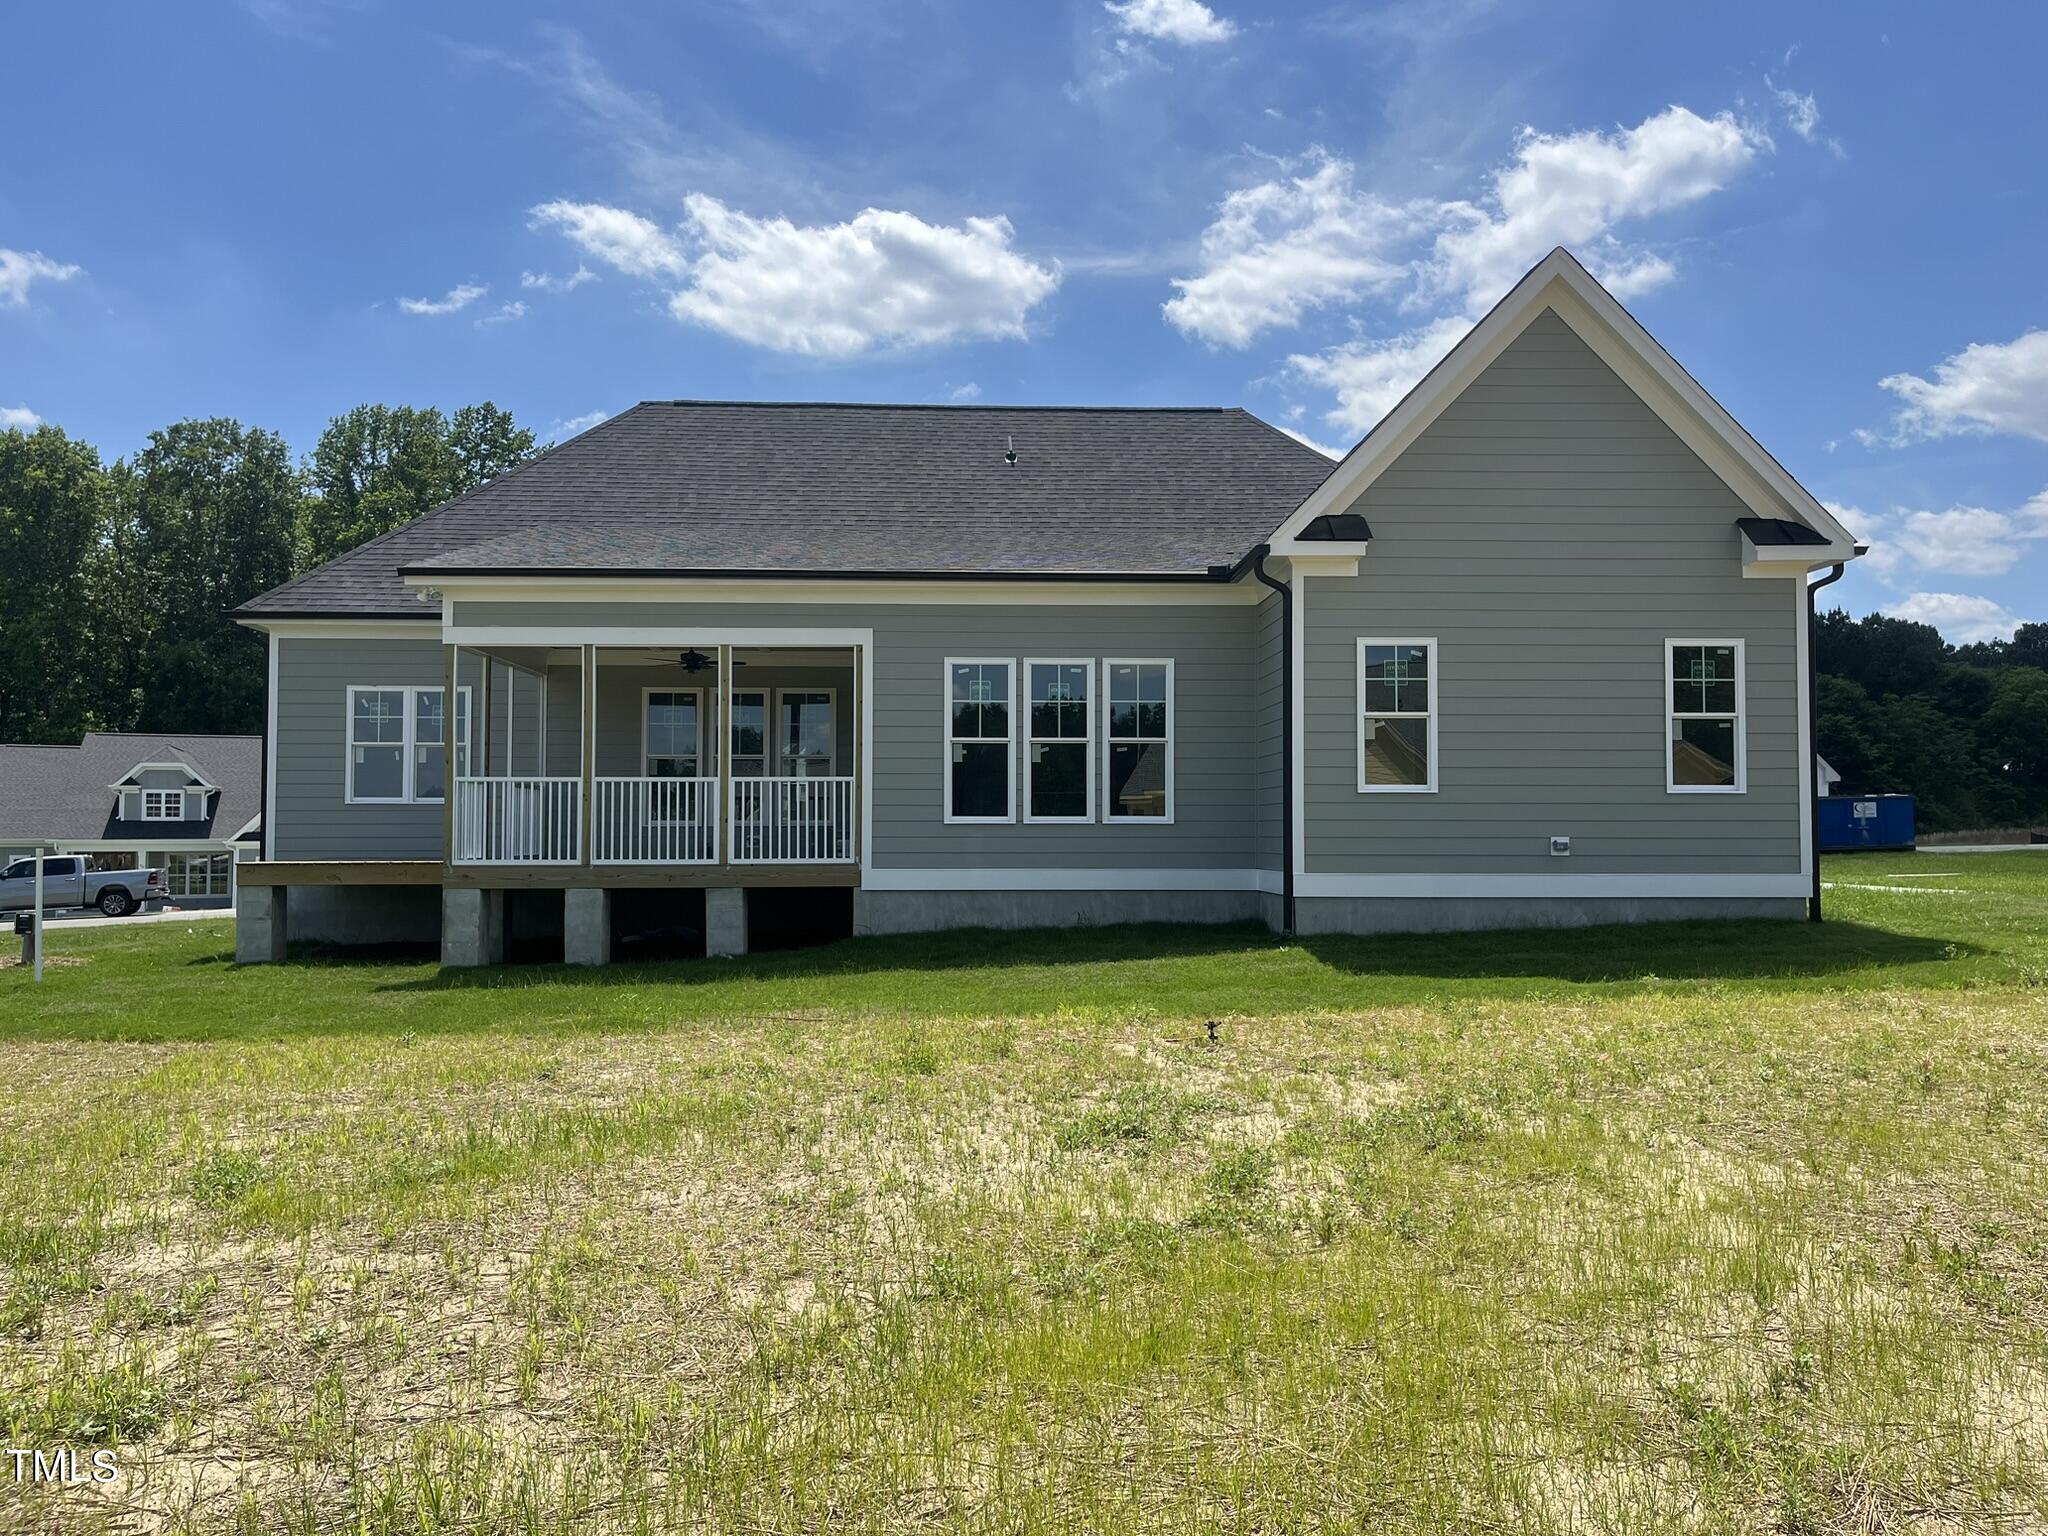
(792, 821)
(518, 821)
(654, 821)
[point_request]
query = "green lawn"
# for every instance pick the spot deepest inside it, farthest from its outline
(1716, 1227)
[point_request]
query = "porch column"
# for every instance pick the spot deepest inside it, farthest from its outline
(449, 787)
(723, 748)
(586, 742)
(853, 842)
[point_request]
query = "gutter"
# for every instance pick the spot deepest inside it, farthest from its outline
(1813, 729)
(1257, 560)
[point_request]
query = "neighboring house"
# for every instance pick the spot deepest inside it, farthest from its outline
(1829, 778)
(1536, 651)
(182, 804)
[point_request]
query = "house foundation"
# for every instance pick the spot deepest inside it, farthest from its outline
(587, 926)
(260, 925)
(725, 920)
(472, 926)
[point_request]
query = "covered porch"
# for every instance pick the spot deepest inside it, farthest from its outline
(713, 758)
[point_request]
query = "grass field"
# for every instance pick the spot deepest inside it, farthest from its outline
(1709, 1227)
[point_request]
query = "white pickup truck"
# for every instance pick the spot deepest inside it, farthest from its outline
(68, 883)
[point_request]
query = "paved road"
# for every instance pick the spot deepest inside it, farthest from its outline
(51, 924)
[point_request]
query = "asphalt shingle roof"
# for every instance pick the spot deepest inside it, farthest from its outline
(731, 487)
(61, 792)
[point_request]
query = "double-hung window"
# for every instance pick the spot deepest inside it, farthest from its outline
(1059, 774)
(163, 805)
(673, 733)
(397, 738)
(429, 744)
(1397, 724)
(1138, 746)
(806, 726)
(749, 733)
(980, 755)
(1704, 748)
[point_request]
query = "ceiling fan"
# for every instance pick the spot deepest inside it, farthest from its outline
(694, 660)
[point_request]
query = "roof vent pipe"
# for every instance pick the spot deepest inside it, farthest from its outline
(1010, 453)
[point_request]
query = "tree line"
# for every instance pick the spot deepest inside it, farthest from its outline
(1963, 729)
(115, 578)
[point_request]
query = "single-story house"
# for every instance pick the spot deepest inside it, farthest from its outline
(188, 805)
(1536, 651)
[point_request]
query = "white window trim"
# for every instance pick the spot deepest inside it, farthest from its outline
(1087, 666)
(696, 746)
(162, 795)
(1109, 742)
(407, 745)
(1672, 716)
(946, 740)
(1428, 644)
(466, 739)
(832, 707)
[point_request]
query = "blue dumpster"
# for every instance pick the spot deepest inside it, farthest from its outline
(1852, 822)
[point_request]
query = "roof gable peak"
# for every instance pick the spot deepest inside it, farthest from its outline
(1560, 284)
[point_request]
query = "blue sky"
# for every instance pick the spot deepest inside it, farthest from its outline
(1832, 215)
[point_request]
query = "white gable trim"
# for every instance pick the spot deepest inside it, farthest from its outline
(1559, 283)
(199, 780)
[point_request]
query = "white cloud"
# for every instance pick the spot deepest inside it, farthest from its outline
(19, 416)
(570, 426)
(1172, 21)
(619, 238)
(516, 310)
(19, 269)
(1370, 377)
(1636, 276)
(964, 394)
(1573, 190)
(547, 282)
(1961, 541)
(1802, 116)
(1961, 618)
(823, 290)
(838, 290)
(1985, 388)
(1308, 442)
(461, 296)
(1310, 238)
(1286, 246)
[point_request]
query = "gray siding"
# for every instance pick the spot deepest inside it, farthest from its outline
(312, 819)
(1269, 644)
(1212, 646)
(1551, 533)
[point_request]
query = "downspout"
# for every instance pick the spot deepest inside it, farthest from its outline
(1286, 591)
(1813, 732)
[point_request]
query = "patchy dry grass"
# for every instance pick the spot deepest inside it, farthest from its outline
(1609, 1240)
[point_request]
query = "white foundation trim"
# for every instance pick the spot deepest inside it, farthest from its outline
(1071, 880)
(1425, 887)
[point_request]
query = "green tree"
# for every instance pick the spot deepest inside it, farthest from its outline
(215, 507)
(378, 467)
(2017, 724)
(53, 502)
(486, 442)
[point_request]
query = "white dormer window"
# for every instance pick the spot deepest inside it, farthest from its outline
(163, 805)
